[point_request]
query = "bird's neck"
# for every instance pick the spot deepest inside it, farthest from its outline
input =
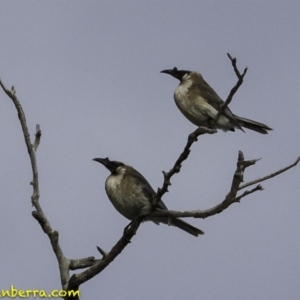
(114, 180)
(184, 87)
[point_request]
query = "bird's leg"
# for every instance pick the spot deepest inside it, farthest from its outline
(125, 235)
(136, 223)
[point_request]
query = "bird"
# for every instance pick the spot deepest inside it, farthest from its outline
(132, 195)
(200, 104)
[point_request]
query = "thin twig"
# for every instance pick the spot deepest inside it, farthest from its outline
(246, 193)
(270, 175)
(234, 89)
(193, 137)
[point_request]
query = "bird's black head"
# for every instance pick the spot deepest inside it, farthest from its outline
(176, 73)
(110, 165)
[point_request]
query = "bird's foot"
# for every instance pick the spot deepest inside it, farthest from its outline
(125, 234)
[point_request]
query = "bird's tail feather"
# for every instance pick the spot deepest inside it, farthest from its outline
(186, 227)
(177, 223)
(253, 125)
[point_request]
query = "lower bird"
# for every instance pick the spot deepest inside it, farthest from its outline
(200, 104)
(132, 195)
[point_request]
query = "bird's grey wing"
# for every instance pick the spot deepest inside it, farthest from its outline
(142, 182)
(148, 190)
(208, 93)
(146, 187)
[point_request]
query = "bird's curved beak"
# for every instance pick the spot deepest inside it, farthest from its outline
(108, 164)
(178, 74)
(103, 161)
(169, 71)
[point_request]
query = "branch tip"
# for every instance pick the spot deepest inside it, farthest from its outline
(270, 175)
(240, 156)
(102, 252)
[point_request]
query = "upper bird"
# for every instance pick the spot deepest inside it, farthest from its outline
(132, 195)
(200, 104)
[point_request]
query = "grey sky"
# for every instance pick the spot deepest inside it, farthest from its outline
(88, 73)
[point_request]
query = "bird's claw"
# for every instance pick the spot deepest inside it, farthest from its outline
(125, 235)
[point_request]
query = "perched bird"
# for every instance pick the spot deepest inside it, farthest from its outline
(131, 195)
(200, 104)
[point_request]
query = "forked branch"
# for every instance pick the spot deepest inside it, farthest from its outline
(94, 266)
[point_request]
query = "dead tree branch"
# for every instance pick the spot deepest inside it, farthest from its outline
(95, 266)
(231, 197)
(234, 89)
(64, 264)
(77, 279)
(193, 137)
(270, 175)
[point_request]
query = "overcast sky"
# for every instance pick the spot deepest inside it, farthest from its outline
(88, 73)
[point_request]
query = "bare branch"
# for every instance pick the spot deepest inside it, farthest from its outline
(77, 279)
(270, 175)
(234, 89)
(39, 214)
(231, 196)
(65, 265)
(95, 266)
(237, 72)
(82, 263)
(12, 95)
(193, 137)
(246, 193)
